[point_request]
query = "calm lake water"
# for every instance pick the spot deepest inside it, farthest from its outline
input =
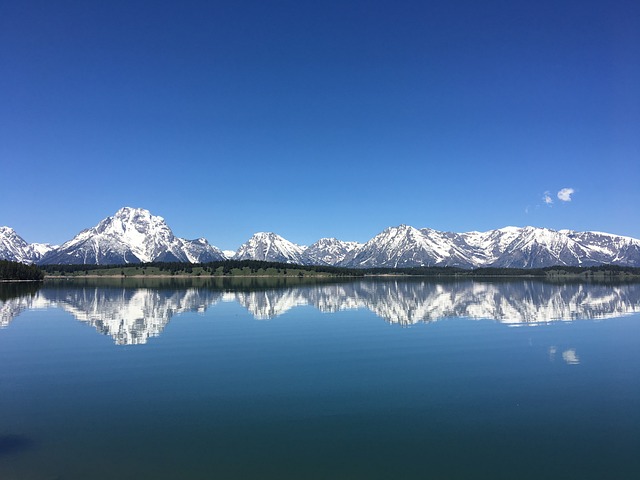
(286, 380)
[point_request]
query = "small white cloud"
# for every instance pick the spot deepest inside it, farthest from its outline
(546, 198)
(565, 194)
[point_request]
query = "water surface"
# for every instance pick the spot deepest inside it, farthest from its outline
(364, 379)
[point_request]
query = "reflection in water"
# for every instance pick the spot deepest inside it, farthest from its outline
(132, 315)
(129, 315)
(570, 357)
(21, 296)
(408, 303)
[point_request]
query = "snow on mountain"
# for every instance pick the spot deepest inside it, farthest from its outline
(132, 235)
(542, 247)
(608, 248)
(406, 246)
(395, 247)
(329, 251)
(531, 247)
(200, 251)
(487, 247)
(514, 247)
(270, 247)
(13, 247)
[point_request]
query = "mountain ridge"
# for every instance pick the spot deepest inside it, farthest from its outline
(134, 235)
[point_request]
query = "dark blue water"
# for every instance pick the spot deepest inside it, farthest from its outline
(326, 382)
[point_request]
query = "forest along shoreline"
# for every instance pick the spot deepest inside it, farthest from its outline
(15, 271)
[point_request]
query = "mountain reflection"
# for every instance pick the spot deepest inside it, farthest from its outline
(133, 315)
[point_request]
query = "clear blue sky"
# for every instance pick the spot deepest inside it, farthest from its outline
(315, 119)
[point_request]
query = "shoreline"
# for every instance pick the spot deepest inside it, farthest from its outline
(381, 275)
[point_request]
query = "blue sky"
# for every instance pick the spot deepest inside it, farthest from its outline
(315, 119)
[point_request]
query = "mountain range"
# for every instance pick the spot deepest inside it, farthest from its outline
(134, 235)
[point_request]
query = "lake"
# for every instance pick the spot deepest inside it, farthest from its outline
(282, 379)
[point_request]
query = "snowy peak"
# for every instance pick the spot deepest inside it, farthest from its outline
(540, 247)
(200, 251)
(132, 222)
(268, 246)
(531, 247)
(514, 247)
(131, 235)
(148, 236)
(13, 247)
(330, 251)
(134, 235)
(403, 246)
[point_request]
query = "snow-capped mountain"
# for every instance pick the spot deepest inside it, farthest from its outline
(541, 247)
(13, 247)
(132, 235)
(406, 246)
(531, 247)
(329, 251)
(401, 246)
(270, 247)
(608, 248)
(515, 247)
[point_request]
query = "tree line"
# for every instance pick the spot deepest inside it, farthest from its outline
(19, 271)
(255, 266)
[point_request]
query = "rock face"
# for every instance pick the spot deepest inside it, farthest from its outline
(132, 235)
